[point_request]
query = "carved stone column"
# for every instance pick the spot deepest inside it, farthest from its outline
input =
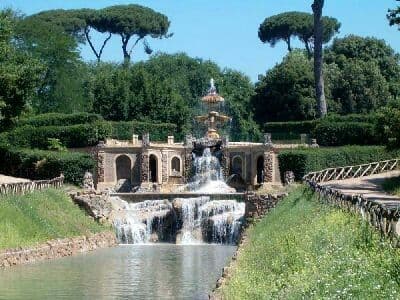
(100, 166)
(268, 166)
(164, 167)
(144, 167)
(188, 164)
(225, 163)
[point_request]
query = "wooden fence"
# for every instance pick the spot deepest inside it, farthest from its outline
(385, 216)
(347, 172)
(20, 188)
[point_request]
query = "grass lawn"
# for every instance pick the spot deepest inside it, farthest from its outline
(40, 216)
(392, 185)
(308, 250)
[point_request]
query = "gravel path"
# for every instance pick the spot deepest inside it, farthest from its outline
(370, 187)
(9, 179)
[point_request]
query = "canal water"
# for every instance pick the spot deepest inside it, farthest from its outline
(158, 271)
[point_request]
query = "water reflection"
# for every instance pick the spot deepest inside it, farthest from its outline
(127, 272)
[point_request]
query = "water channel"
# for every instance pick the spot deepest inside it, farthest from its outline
(158, 271)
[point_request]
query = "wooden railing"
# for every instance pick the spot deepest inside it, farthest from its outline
(347, 172)
(20, 188)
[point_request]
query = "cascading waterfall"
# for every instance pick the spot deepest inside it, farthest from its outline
(195, 220)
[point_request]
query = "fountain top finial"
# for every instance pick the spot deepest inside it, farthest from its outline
(212, 95)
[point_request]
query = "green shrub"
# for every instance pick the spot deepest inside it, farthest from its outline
(84, 135)
(388, 125)
(39, 164)
(303, 161)
(289, 130)
(158, 132)
(59, 119)
(345, 133)
(74, 136)
(292, 130)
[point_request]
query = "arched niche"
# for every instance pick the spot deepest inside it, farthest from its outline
(123, 167)
(153, 168)
(260, 169)
(237, 165)
(175, 166)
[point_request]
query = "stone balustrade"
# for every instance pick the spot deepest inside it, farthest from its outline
(20, 188)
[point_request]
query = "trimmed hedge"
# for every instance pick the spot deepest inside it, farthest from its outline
(334, 130)
(39, 164)
(74, 136)
(345, 133)
(303, 161)
(289, 130)
(158, 132)
(59, 119)
(83, 135)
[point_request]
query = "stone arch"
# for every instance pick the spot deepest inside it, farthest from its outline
(237, 165)
(123, 166)
(153, 168)
(175, 166)
(260, 169)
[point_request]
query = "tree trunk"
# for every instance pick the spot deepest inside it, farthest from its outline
(289, 47)
(318, 57)
(127, 56)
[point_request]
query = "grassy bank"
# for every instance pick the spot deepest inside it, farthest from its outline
(392, 186)
(40, 216)
(304, 249)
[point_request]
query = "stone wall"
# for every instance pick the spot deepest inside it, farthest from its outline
(384, 217)
(56, 249)
(259, 205)
(268, 166)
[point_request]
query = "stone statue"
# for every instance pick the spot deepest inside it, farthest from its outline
(146, 140)
(267, 139)
(289, 177)
(88, 183)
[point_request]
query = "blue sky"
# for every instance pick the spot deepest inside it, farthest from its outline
(225, 31)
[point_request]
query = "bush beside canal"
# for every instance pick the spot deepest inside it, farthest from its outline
(41, 216)
(304, 249)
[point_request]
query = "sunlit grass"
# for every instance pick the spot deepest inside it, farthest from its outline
(392, 185)
(40, 216)
(308, 250)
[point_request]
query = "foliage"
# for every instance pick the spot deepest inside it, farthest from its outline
(59, 119)
(388, 124)
(292, 130)
(286, 92)
(392, 185)
(304, 249)
(167, 89)
(346, 133)
(361, 75)
(158, 132)
(73, 136)
(61, 89)
(127, 21)
(394, 16)
(55, 145)
(40, 216)
(40, 164)
(303, 161)
(19, 73)
(288, 25)
(83, 135)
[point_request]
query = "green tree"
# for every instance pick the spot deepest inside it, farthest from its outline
(286, 91)
(394, 16)
(127, 21)
(20, 74)
(288, 25)
(132, 21)
(167, 88)
(63, 85)
(318, 57)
